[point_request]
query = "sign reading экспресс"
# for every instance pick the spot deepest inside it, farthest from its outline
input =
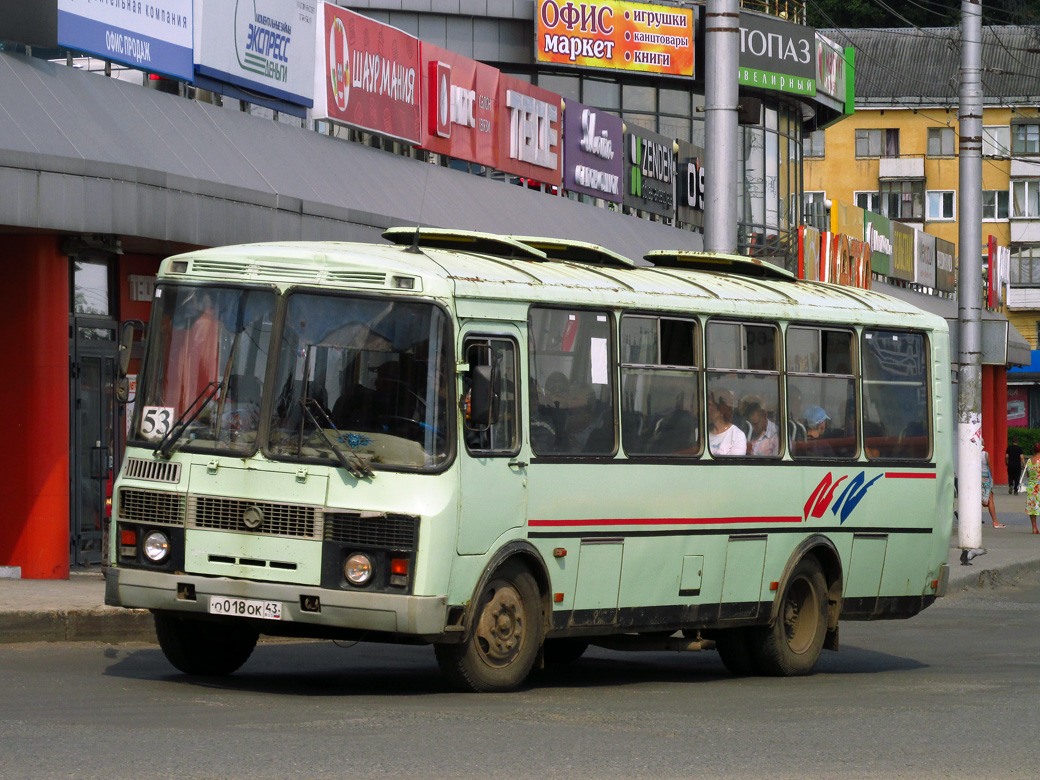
(151, 35)
(266, 46)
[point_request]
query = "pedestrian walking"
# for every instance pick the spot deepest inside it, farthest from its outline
(1015, 460)
(1032, 477)
(987, 488)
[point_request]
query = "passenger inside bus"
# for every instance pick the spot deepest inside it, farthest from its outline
(724, 438)
(763, 434)
(816, 443)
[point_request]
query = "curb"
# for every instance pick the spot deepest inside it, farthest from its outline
(991, 578)
(111, 626)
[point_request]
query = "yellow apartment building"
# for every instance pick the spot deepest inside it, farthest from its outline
(897, 155)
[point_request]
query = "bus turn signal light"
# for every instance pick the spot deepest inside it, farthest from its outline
(558, 598)
(774, 585)
(399, 566)
(560, 552)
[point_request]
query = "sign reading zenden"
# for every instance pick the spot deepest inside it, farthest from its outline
(155, 36)
(593, 158)
(649, 172)
(877, 232)
(777, 55)
(265, 46)
(370, 75)
(614, 34)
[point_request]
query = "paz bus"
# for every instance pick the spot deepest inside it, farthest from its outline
(510, 448)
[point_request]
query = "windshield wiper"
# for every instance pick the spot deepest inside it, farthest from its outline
(348, 458)
(164, 447)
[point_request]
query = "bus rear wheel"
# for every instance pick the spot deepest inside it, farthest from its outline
(202, 647)
(792, 644)
(504, 637)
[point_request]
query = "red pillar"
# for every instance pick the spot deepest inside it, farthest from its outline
(999, 416)
(34, 351)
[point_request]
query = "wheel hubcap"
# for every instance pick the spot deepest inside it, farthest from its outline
(501, 627)
(800, 615)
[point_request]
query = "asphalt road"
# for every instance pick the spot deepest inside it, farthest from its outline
(951, 693)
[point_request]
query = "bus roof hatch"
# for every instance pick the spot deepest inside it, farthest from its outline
(465, 241)
(711, 261)
(577, 251)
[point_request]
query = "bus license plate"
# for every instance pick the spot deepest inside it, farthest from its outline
(268, 610)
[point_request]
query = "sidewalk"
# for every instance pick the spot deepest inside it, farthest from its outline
(74, 609)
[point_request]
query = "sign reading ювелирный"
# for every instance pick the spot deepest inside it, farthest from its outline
(777, 55)
(155, 36)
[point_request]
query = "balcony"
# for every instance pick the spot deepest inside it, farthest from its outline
(908, 167)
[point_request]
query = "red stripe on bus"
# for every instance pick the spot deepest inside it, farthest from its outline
(907, 475)
(665, 521)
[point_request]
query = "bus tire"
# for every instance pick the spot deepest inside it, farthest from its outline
(202, 647)
(505, 633)
(792, 644)
(734, 647)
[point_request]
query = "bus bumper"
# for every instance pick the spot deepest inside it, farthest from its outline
(402, 615)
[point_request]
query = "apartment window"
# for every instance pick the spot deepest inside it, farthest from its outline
(869, 201)
(1025, 266)
(941, 142)
(996, 141)
(940, 205)
(903, 199)
(1025, 198)
(877, 142)
(995, 204)
(1025, 139)
(813, 144)
(814, 206)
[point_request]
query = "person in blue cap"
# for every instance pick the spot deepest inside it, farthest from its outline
(816, 419)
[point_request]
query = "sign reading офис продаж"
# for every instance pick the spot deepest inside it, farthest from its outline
(616, 35)
(154, 36)
(264, 46)
(368, 75)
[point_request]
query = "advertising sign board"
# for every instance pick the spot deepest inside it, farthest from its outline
(945, 274)
(777, 55)
(902, 251)
(593, 157)
(155, 36)
(474, 112)
(649, 172)
(877, 232)
(368, 76)
(689, 184)
(924, 264)
(264, 46)
(617, 35)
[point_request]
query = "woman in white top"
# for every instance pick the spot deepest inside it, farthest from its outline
(724, 438)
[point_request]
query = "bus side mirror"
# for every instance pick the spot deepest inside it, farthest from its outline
(126, 345)
(481, 401)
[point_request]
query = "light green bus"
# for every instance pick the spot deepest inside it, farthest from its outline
(512, 448)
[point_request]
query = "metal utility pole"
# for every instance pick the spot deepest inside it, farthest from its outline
(721, 61)
(969, 282)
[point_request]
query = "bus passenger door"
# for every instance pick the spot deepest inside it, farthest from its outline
(493, 489)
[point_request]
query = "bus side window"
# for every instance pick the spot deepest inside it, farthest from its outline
(821, 393)
(572, 382)
(896, 410)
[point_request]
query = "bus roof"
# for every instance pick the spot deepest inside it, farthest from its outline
(522, 270)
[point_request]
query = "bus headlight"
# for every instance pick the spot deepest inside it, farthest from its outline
(156, 547)
(358, 569)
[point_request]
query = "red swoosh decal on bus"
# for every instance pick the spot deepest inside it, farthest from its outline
(663, 521)
(907, 475)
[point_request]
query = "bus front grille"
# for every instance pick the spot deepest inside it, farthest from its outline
(395, 532)
(272, 519)
(151, 507)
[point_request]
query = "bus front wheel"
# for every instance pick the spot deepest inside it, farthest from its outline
(202, 647)
(792, 644)
(504, 637)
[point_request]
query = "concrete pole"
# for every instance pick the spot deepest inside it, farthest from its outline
(721, 61)
(969, 282)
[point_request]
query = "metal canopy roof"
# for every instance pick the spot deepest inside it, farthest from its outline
(81, 153)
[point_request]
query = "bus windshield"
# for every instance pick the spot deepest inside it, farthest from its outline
(205, 368)
(367, 375)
